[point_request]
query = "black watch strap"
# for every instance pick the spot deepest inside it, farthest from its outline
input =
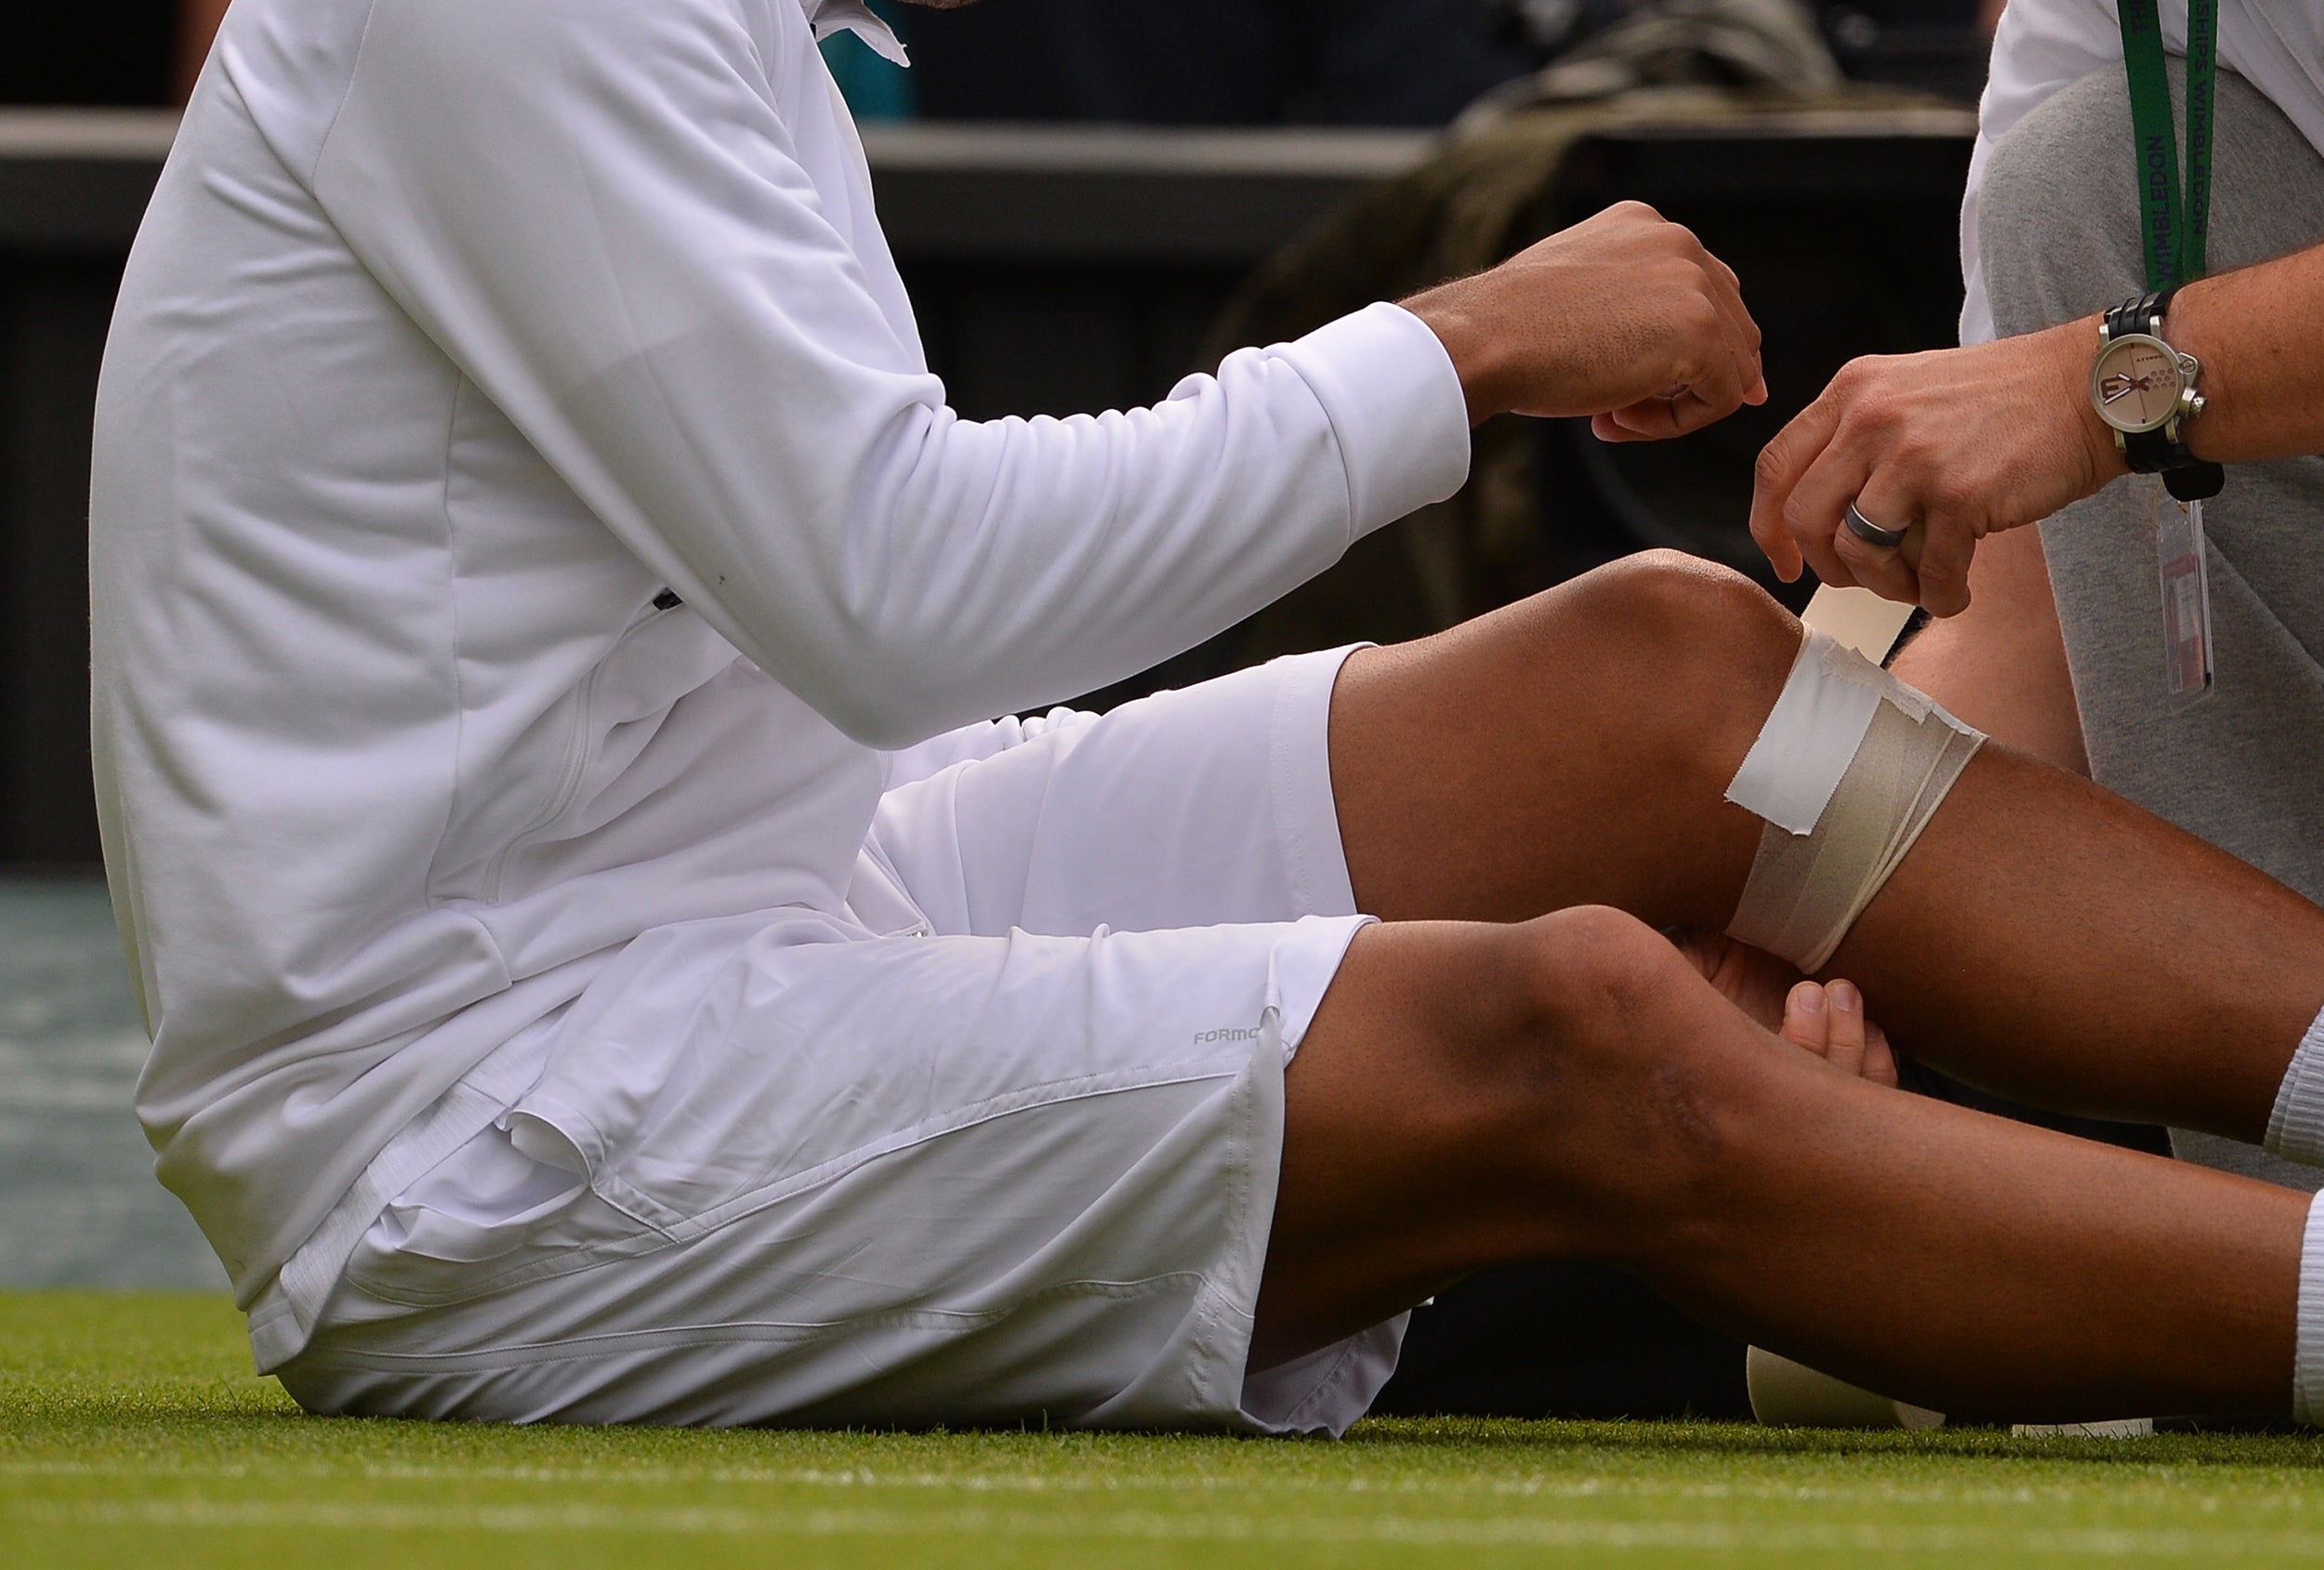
(2150, 451)
(2141, 313)
(2194, 481)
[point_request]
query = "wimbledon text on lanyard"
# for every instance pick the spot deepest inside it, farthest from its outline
(2174, 243)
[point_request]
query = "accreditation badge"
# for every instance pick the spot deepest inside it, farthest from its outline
(2186, 575)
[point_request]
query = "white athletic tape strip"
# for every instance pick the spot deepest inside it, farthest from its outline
(1809, 740)
(1849, 769)
(1813, 733)
(2307, 1372)
(2295, 1129)
(1805, 892)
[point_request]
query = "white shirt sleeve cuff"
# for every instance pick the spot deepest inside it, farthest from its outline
(1396, 405)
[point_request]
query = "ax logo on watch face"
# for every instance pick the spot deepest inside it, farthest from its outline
(2138, 386)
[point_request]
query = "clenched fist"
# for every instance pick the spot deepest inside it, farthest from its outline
(1625, 318)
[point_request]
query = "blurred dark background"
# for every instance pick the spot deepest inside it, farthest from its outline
(1336, 62)
(1348, 63)
(1092, 197)
(114, 52)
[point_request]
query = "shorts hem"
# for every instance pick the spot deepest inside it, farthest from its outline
(1307, 812)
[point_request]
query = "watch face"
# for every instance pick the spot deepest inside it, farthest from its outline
(2136, 383)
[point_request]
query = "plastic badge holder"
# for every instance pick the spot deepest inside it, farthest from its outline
(2186, 581)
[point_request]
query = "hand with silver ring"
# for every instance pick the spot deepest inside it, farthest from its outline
(1891, 477)
(1871, 534)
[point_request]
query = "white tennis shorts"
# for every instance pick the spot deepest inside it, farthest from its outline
(1014, 1163)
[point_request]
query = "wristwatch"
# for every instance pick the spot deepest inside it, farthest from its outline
(2144, 389)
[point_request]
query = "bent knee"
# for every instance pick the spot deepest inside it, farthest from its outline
(1587, 995)
(1620, 1081)
(1682, 609)
(1701, 651)
(1592, 959)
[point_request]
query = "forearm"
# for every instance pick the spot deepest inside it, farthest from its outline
(990, 567)
(2258, 331)
(1624, 318)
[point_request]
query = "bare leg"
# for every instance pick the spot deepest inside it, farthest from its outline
(1471, 1094)
(1571, 749)
(2162, 979)
(2043, 938)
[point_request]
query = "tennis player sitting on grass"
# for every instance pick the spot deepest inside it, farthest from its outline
(605, 963)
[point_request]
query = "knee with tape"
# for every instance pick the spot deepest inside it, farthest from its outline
(1847, 772)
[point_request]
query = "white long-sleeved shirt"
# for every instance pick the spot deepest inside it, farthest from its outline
(456, 335)
(2277, 46)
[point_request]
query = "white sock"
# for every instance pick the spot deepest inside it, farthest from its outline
(2307, 1373)
(2295, 1129)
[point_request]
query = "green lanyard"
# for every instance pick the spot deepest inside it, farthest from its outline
(2174, 238)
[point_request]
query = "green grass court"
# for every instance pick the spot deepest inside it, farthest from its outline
(132, 1432)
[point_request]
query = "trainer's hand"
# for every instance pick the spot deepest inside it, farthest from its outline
(1753, 979)
(1828, 1020)
(1960, 442)
(1623, 317)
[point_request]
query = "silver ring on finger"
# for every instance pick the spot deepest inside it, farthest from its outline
(1871, 534)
